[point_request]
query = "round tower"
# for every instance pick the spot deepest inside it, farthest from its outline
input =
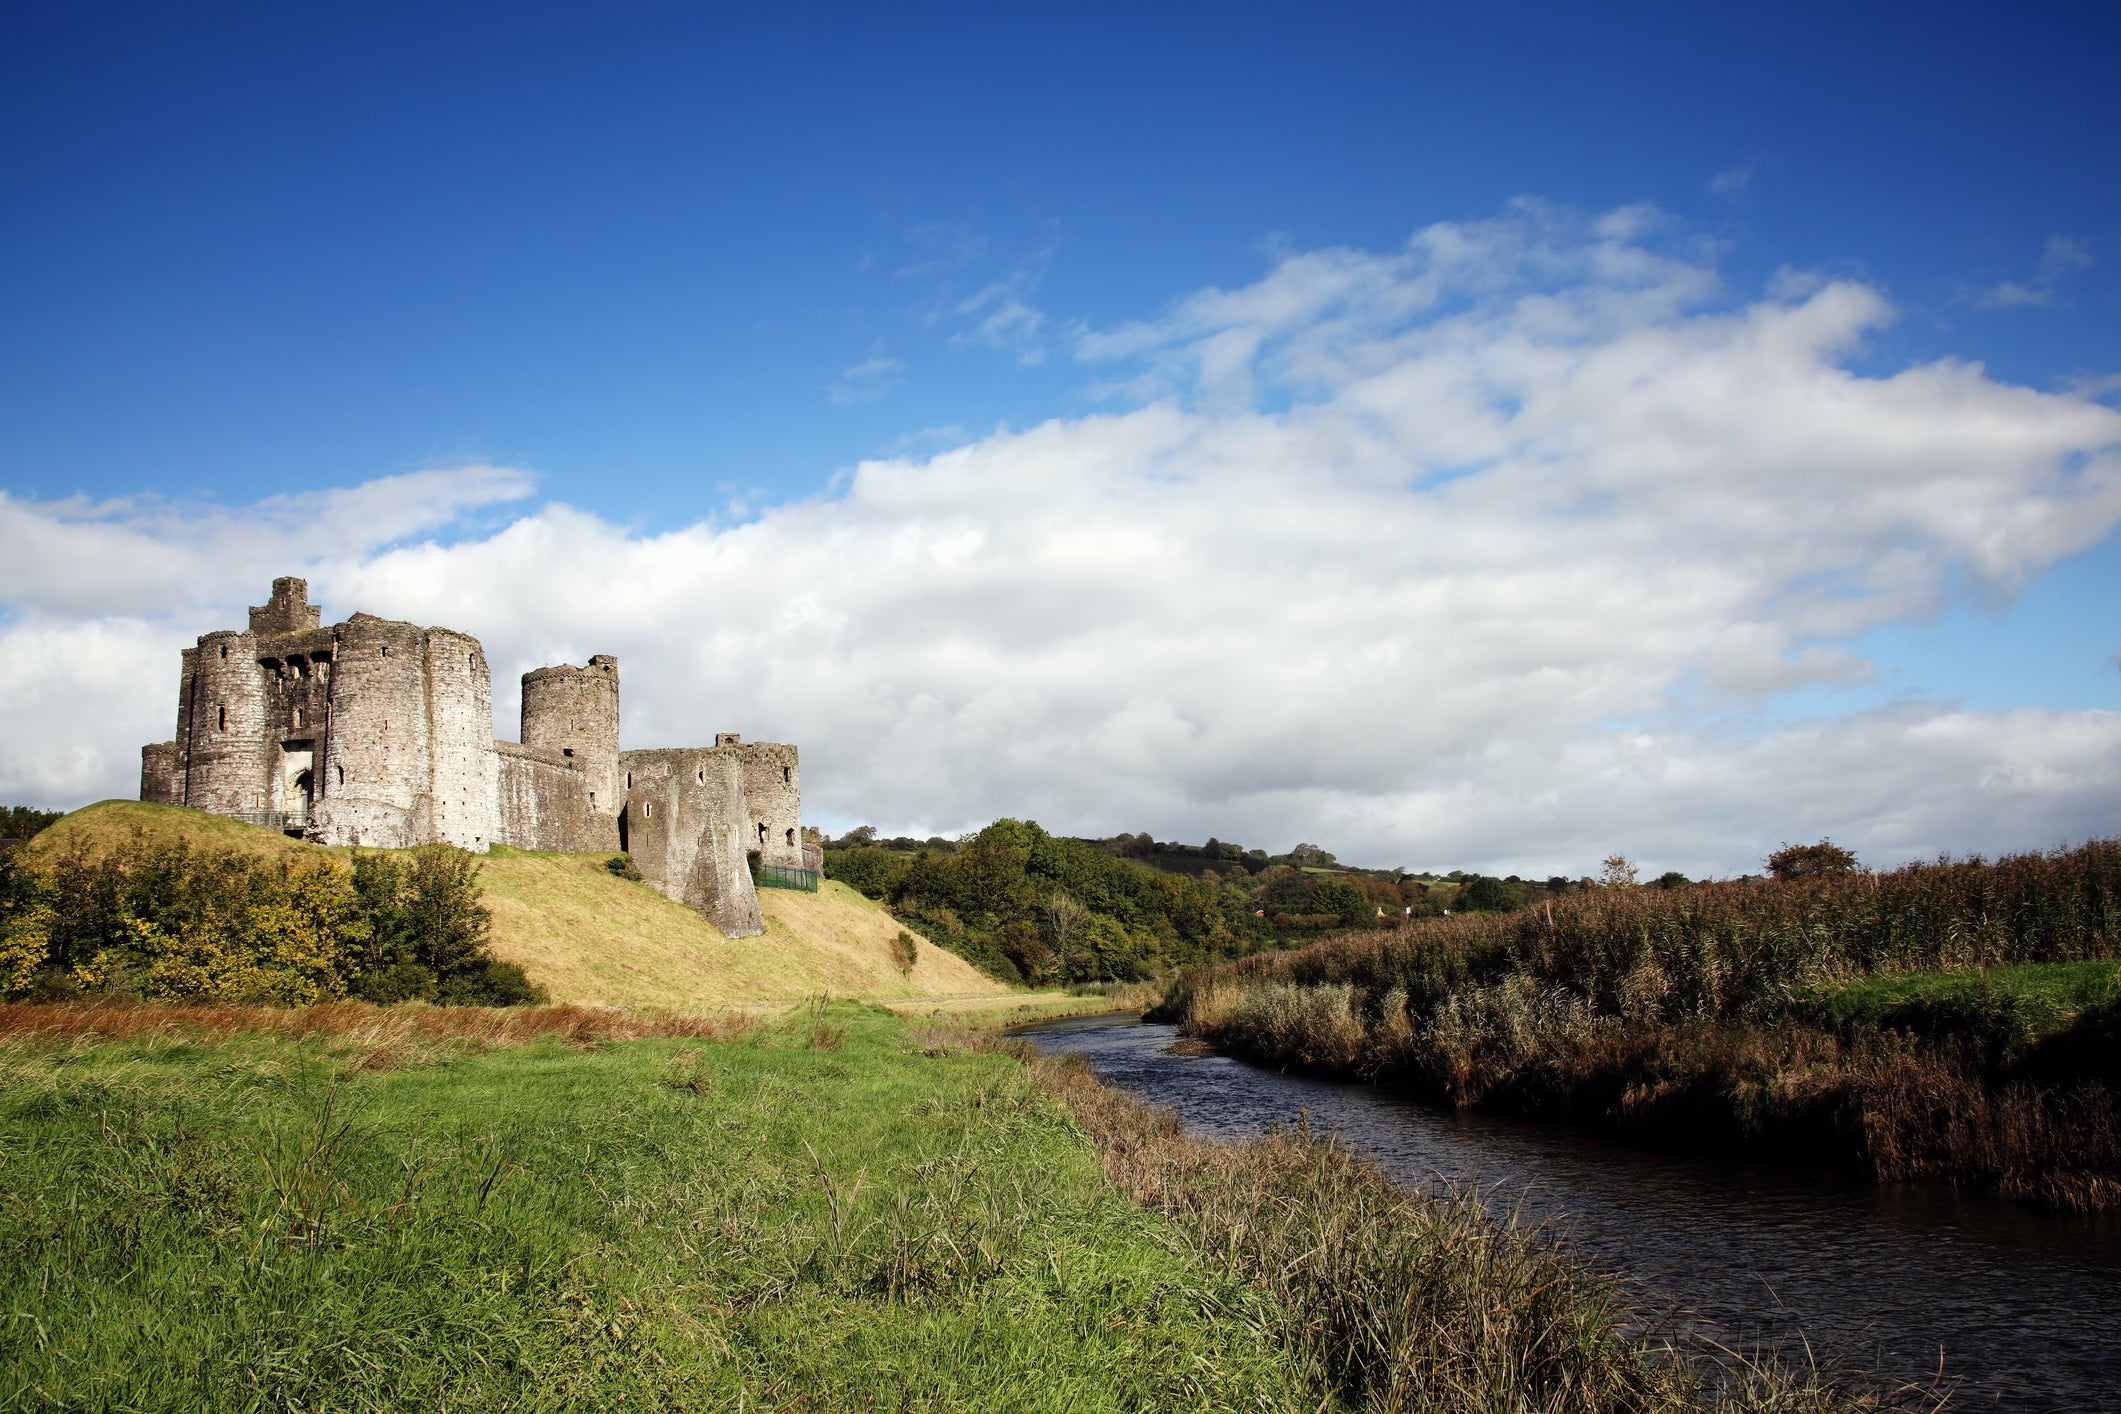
(226, 756)
(576, 711)
(378, 758)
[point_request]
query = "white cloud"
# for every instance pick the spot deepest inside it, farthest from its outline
(1005, 322)
(2062, 258)
(1490, 550)
(868, 380)
(1732, 181)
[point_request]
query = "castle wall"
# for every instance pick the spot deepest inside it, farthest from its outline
(684, 823)
(463, 770)
(575, 711)
(377, 759)
(773, 794)
(225, 758)
(542, 802)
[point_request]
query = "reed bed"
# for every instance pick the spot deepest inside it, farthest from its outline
(1693, 1016)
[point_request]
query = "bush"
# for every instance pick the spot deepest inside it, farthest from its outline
(623, 866)
(182, 923)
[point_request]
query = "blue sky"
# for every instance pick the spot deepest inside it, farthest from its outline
(686, 264)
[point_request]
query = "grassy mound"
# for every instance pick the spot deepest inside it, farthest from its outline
(591, 938)
(586, 935)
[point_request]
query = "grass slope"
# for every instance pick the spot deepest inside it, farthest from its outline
(590, 937)
(812, 1215)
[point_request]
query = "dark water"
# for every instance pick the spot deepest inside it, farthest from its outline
(2023, 1309)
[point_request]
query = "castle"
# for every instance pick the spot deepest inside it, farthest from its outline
(380, 733)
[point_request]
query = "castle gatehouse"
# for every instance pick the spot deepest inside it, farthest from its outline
(380, 733)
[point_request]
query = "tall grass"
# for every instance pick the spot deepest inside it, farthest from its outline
(1744, 949)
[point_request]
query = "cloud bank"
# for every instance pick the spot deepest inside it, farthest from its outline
(1492, 550)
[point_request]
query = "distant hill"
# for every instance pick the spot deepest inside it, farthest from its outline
(587, 936)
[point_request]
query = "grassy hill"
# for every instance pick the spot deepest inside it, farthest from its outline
(587, 936)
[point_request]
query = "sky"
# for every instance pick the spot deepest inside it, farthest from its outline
(1461, 437)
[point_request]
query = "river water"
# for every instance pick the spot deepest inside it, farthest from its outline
(2023, 1309)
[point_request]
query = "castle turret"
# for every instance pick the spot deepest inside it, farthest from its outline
(575, 711)
(225, 757)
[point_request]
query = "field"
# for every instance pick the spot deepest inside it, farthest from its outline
(354, 1207)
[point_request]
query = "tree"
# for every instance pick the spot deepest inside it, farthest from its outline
(1486, 895)
(857, 837)
(1617, 872)
(1672, 879)
(1808, 861)
(1069, 922)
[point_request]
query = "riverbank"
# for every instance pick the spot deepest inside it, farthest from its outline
(1958, 1024)
(549, 1207)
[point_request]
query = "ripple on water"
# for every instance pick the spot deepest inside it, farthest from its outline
(2024, 1308)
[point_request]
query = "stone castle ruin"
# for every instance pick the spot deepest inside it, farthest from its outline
(379, 733)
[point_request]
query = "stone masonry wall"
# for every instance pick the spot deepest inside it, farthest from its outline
(773, 794)
(684, 824)
(542, 802)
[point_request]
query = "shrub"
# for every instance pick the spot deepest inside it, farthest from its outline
(623, 866)
(177, 922)
(1806, 861)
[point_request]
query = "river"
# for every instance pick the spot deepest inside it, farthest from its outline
(2023, 1309)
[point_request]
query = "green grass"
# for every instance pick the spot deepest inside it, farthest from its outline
(2016, 1005)
(814, 1215)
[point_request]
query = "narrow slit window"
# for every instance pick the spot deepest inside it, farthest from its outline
(342, 775)
(223, 719)
(787, 778)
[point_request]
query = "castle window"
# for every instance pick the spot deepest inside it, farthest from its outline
(647, 808)
(298, 716)
(386, 652)
(629, 780)
(786, 779)
(702, 775)
(592, 797)
(342, 775)
(224, 718)
(566, 751)
(471, 660)
(791, 837)
(224, 650)
(762, 832)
